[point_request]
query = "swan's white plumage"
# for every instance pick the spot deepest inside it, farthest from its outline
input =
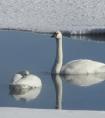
(28, 80)
(83, 66)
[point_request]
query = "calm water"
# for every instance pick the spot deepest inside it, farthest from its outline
(36, 53)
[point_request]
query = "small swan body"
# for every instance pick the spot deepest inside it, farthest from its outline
(26, 79)
(81, 66)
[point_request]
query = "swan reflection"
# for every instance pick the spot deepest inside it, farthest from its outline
(20, 93)
(59, 90)
(79, 80)
(84, 79)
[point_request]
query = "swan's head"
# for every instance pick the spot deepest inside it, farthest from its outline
(24, 73)
(57, 35)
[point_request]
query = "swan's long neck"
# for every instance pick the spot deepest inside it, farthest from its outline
(59, 56)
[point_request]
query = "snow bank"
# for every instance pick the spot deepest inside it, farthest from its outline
(31, 113)
(75, 16)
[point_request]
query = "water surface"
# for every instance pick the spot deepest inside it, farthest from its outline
(36, 53)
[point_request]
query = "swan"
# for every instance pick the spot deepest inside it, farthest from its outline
(80, 66)
(26, 80)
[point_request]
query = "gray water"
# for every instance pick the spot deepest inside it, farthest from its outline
(36, 53)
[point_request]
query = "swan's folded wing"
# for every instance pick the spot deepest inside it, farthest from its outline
(83, 66)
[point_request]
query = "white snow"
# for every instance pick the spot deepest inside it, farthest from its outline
(45, 113)
(51, 15)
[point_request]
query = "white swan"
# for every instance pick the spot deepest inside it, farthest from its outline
(26, 79)
(81, 66)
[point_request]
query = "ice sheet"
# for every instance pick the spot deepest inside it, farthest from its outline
(75, 16)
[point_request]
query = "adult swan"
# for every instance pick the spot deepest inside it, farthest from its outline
(81, 66)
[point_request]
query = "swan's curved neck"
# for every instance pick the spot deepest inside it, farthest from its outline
(59, 56)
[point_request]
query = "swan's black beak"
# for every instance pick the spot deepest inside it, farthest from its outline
(53, 35)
